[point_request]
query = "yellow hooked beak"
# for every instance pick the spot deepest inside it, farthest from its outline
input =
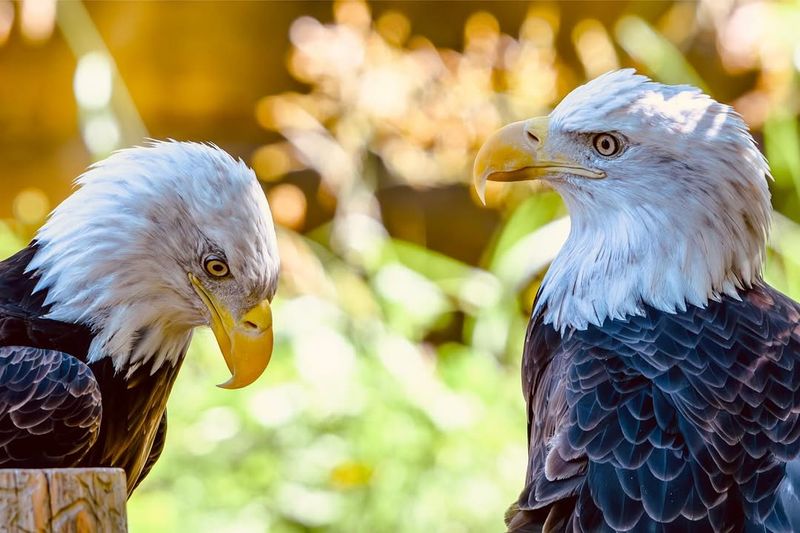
(519, 152)
(246, 343)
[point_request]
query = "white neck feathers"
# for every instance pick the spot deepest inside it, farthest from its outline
(618, 260)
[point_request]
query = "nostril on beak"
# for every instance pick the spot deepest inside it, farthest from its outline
(533, 138)
(257, 320)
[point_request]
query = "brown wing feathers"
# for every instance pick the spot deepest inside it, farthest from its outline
(50, 408)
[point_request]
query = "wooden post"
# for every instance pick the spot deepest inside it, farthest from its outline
(63, 500)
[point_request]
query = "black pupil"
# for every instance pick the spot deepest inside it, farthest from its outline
(606, 144)
(217, 267)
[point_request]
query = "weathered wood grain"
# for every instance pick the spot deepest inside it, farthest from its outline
(63, 500)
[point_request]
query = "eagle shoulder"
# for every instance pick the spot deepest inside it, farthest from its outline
(50, 408)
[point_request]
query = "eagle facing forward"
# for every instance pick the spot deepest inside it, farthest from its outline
(97, 311)
(661, 373)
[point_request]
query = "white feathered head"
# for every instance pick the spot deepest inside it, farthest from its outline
(155, 241)
(666, 189)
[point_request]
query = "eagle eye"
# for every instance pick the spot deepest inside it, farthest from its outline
(606, 144)
(215, 266)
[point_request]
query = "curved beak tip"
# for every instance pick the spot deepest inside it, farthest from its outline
(249, 361)
(230, 384)
(249, 356)
(235, 382)
(480, 189)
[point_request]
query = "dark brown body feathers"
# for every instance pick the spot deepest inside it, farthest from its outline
(685, 421)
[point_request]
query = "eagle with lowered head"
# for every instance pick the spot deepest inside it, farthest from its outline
(96, 313)
(661, 372)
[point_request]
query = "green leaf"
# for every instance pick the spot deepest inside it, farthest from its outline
(644, 44)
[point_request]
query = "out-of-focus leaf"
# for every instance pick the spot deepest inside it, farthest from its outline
(531, 254)
(643, 43)
(471, 287)
(413, 303)
(783, 268)
(527, 217)
(433, 265)
(782, 147)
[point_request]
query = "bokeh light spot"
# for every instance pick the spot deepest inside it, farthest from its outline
(101, 134)
(279, 112)
(594, 47)
(540, 26)
(394, 27)
(265, 112)
(6, 19)
(481, 25)
(218, 424)
(93, 82)
(679, 23)
(384, 92)
(288, 204)
(37, 19)
(271, 162)
(350, 474)
(352, 13)
(31, 206)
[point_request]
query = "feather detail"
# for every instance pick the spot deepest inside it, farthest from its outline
(684, 420)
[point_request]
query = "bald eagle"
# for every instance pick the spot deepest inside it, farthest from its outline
(96, 313)
(661, 373)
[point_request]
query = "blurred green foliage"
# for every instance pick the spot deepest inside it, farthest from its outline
(392, 402)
